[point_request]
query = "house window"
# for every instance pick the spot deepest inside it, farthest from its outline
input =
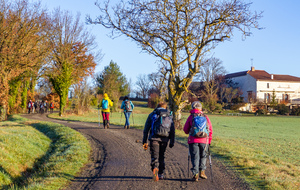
(268, 85)
(285, 97)
(268, 97)
(250, 96)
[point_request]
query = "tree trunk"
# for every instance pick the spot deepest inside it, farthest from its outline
(24, 95)
(63, 101)
(175, 103)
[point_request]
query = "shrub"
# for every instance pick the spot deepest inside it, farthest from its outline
(261, 112)
(282, 109)
(153, 100)
(212, 106)
(237, 106)
(94, 101)
(296, 111)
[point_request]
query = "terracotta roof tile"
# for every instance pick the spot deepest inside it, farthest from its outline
(286, 78)
(260, 75)
(263, 75)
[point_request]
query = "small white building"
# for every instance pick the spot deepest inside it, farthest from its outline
(258, 85)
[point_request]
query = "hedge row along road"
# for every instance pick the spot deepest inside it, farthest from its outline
(118, 161)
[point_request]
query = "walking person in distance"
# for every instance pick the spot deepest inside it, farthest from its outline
(159, 129)
(29, 106)
(200, 131)
(105, 104)
(127, 106)
(51, 107)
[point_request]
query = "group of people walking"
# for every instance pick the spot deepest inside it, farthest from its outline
(106, 103)
(159, 130)
(39, 106)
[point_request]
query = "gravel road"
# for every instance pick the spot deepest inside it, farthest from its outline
(119, 162)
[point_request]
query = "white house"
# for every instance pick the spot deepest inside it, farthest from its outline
(258, 85)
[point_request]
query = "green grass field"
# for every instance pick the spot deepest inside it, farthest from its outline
(264, 149)
(39, 155)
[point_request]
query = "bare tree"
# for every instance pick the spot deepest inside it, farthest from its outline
(158, 82)
(143, 85)
(210, 74)
(212, 68)
(180, 32)
(83, 95)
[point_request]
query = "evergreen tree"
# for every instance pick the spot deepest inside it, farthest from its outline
(112, 81)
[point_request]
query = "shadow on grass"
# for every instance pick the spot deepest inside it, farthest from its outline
(38, 169)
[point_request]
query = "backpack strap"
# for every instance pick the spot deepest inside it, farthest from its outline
(153, 119)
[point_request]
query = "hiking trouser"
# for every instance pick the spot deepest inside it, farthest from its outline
(198, 157)
(157, 151)
(127, 116)
(105, 116)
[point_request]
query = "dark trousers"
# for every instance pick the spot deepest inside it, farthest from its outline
(198, 157)
(157, 151)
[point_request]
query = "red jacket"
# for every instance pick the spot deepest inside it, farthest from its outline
(188, 125)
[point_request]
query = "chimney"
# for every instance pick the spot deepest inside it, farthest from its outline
(252, 68)
(272, 77)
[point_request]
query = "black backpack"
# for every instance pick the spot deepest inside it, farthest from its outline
(128, 107)
(161, 123)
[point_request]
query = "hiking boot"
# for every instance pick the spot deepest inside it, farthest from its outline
(125, 127)
(128, 127)
(155, 174)
(107, 125)
(161, 177)
(195, 177)
(202, 174)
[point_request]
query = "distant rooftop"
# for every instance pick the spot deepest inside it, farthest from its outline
(263, 75)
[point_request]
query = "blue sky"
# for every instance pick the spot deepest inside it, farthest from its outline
(275, 49)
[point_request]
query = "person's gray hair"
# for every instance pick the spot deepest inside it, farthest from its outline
(197, 105)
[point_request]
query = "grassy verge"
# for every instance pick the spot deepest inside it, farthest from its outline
(264, 149)
(39, 155)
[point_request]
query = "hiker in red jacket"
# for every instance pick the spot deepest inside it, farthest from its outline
(51, 107)
(198, 146)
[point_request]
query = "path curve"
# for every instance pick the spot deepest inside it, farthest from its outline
(119, 162)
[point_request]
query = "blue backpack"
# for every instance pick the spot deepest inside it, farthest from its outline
(199, 127)
(105, 104)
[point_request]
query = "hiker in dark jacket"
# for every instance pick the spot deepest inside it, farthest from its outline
(158, 144)
(29, 106)
(127, 106)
